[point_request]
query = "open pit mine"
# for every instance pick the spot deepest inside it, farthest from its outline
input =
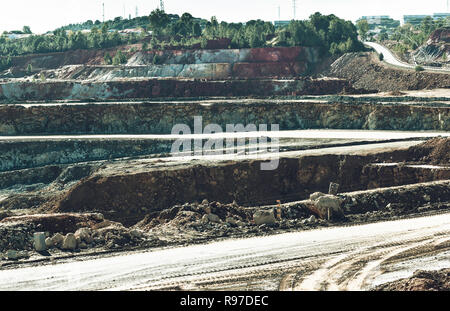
(92, 196)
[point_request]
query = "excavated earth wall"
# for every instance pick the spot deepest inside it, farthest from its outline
(16, 155)
(166, 88)
(128, 197)
(160, 117)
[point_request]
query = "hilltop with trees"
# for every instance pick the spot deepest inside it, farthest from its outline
(329, 33)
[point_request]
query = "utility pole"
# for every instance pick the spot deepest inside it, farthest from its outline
(137, 11)
(161, 5)
(279, 13)
(103, 12)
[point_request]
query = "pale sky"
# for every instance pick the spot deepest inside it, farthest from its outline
(44, 15)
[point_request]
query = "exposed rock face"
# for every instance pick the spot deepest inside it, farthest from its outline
(167, 88)
(440, 35)
(159, 118)
(135, 194)
(27, 154)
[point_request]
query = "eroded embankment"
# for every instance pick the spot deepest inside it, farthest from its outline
(128, 197)
(212, 64)
(160, 118)
(167, 88)
(16, 155)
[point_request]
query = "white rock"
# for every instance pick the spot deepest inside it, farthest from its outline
(84, 234)
(329, 207)
(49, 243)
(316, 195)
(70, 242)
(58, 240)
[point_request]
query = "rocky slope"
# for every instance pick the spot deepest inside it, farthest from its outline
(365, 71)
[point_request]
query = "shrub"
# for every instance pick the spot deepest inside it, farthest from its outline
(108, 59)
(419, 68)
(119, 58)
(381, 56)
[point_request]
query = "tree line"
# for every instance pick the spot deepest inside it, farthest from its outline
(329, 33)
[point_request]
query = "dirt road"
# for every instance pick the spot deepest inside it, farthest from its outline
(390, 58)
(357, 257)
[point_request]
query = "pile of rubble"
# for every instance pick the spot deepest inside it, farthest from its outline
(421, 281)
(67, 233)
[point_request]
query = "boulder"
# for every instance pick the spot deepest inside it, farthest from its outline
(39, 242)
(329, 207)
(84, 235)
(264, 217)
(213, 218)
(58, 240)
(205, 219)
(311, 220)
(316, 195)
(49, 243)
(70, 242)
(12, 255)
(136, 234)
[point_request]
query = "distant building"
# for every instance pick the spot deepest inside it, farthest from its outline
(281, 23)
(380, 21)
(375, 19)
(414, 19)
(14, 36)
(440, 15)
(417, 19)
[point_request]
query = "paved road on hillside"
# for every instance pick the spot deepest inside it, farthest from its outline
(390, 58)
(334, 258)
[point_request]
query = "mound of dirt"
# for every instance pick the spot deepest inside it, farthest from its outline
(365, 71)
(435, 151)
(186, 214)
(421, 281)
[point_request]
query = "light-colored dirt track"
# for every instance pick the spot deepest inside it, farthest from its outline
(339, 258)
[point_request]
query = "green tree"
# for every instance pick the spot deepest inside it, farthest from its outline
(196, 30)
(26, 30)
(108, 59)
(158, 20)
(119, 58)
(363, 28)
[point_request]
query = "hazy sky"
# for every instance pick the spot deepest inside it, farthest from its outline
(44, 15)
